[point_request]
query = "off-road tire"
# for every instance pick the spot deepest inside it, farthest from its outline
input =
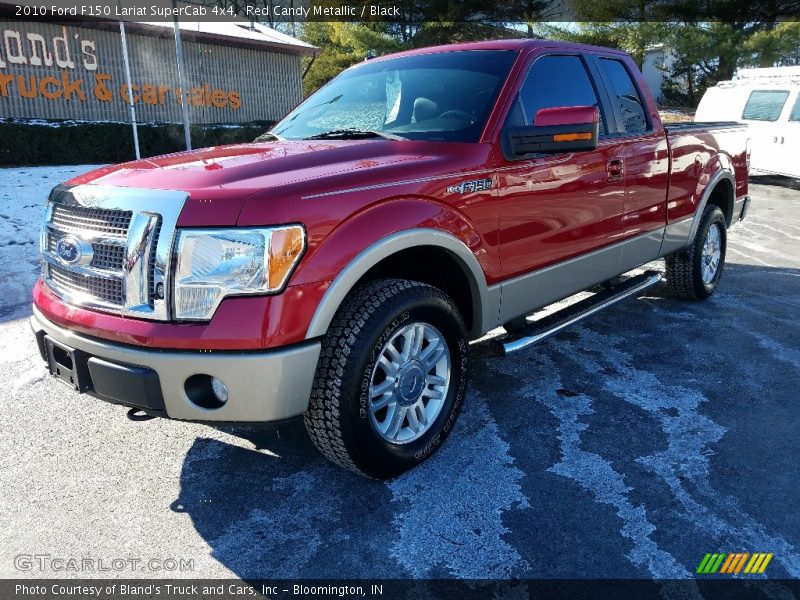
(684, 268)
(338, 418)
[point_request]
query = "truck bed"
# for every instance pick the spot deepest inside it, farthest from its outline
(701, 148)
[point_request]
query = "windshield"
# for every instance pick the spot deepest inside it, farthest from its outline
(445, 96)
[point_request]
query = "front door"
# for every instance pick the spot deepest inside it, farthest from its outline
(558, 207)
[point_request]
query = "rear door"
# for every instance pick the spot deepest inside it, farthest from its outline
(643, 158)
(787, 139)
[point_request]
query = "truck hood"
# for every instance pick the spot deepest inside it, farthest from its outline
(248, 168)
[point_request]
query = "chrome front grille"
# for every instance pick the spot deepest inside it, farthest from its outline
(109, 248)
(80, 219)
(152, 279)
(106, 257)
(106, 289)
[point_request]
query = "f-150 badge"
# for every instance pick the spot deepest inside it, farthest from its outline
(468, 187)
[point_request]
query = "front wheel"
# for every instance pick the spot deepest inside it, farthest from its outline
(694, 272)
(391, 378)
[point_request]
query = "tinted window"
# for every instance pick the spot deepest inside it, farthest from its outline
(765, 105)
(555, 81)
(795, 116)
(443, 96)
(624, 92)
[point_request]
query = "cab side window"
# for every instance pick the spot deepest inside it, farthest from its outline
(764, 105)
(555, 81)
(624, 93)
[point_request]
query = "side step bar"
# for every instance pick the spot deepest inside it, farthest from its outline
(557, 322)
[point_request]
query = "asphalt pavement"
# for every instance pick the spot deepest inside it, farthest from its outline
(629, 446)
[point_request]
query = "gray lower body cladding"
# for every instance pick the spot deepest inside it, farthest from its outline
(270, 385)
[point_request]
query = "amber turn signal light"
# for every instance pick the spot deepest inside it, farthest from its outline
(285, 248)
(572, 137)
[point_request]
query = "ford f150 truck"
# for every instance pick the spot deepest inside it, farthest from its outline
(339, 267)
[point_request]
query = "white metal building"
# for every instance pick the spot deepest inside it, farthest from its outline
(236, 72)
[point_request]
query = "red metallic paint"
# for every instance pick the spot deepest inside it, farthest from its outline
(646, 173)
(695, 157)
(243, 323)
(351, 216)
(566, 115)
(557, 207)
(350, 194)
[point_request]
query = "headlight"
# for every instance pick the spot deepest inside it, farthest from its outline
(214, 263)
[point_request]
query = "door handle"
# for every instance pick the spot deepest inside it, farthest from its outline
(616, 169)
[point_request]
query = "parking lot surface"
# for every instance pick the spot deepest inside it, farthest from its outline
(628, 446)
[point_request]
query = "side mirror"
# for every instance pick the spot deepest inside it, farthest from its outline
(562, 129)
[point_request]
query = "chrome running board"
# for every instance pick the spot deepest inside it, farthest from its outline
(507, 343)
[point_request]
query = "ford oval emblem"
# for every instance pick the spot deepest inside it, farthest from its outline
(69, 250)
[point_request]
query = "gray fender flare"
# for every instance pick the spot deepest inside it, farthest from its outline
(719, 176)
(485, 302)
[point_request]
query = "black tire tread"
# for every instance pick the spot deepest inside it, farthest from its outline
(322, 419)
(680, 272)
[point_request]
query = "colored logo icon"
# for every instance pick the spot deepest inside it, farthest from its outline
(734, 563)
(69, 250)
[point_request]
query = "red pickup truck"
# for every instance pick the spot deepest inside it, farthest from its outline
(339, 267)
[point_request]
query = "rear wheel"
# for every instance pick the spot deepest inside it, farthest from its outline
(391, 378)
(694, 272)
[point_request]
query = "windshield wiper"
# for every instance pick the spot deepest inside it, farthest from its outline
(268, 137)
(343, 134)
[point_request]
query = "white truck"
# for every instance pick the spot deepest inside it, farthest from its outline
(768, 100)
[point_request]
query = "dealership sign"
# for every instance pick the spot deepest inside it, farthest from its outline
(28, 60)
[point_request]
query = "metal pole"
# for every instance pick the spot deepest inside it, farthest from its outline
(181, 76)
(131, 105)
(308, 66)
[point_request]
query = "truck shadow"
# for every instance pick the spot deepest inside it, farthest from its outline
(792, 183)
(269, 505)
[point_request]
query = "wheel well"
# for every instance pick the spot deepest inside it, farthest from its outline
(722, 196)
(432, 265)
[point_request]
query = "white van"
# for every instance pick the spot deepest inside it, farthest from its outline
(767, 100)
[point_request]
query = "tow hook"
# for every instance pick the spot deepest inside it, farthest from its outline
(137, 414)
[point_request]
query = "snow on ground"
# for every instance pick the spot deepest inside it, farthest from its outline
(23, 193)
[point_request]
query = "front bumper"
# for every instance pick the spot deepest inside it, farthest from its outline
(262, 385)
